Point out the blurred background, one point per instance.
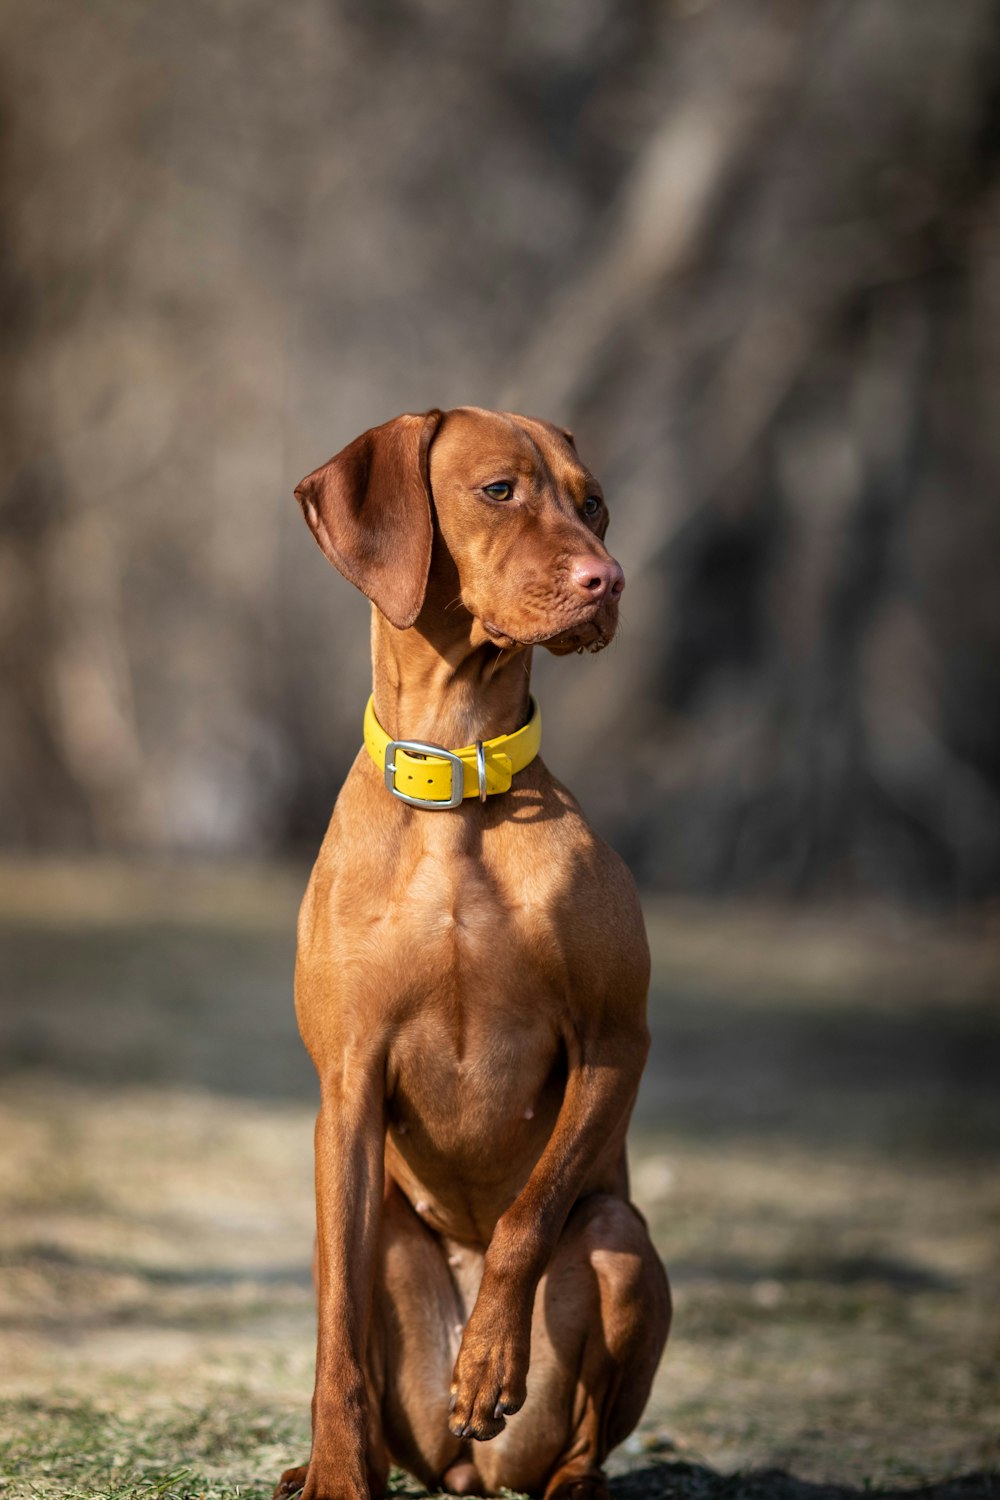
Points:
(749, 251)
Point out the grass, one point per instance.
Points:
(814, 1150)
(77, 1451)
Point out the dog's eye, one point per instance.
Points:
(498, 491)
(591, 505)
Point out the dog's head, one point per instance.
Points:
(495, 510)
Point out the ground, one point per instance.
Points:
(815, 1148)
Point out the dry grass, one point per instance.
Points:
(814, 1151)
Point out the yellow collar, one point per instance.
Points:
(431, 777)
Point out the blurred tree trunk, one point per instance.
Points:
(749, 252)
(811, 273)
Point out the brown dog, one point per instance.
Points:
(471, 986)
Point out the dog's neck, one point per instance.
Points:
(447, 686)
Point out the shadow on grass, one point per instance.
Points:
(686, 1481)
(212, 1008)
(43, 1253)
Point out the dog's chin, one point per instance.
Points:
(589, 638)
(586, 636)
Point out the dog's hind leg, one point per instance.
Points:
(416, 1331)
(600, 1321)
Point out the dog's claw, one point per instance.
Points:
(489, 1382)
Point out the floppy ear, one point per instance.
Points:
(370, 510)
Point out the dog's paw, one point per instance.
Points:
(300, 1482)
(488, 1385)
(585, 1486)
(291, 1483)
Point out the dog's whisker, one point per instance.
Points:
(496, 663)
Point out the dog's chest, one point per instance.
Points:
(483, 989)
(461, 928)
(474, 1085)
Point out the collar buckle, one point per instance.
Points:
(422, 747)
(481, 769)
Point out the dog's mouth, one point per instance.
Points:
(588, 636)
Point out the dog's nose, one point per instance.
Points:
(597, 577)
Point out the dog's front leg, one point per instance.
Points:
(350, 1140)
(492, 1366)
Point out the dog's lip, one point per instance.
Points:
(500, 637)
(589, 628)
(581, 635)
(590, 637)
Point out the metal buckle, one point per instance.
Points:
(420, 747)
(481, 769)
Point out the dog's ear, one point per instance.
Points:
(370, 510)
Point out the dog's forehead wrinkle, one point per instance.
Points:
(567, 477)
(486, 457)
(534, 441)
